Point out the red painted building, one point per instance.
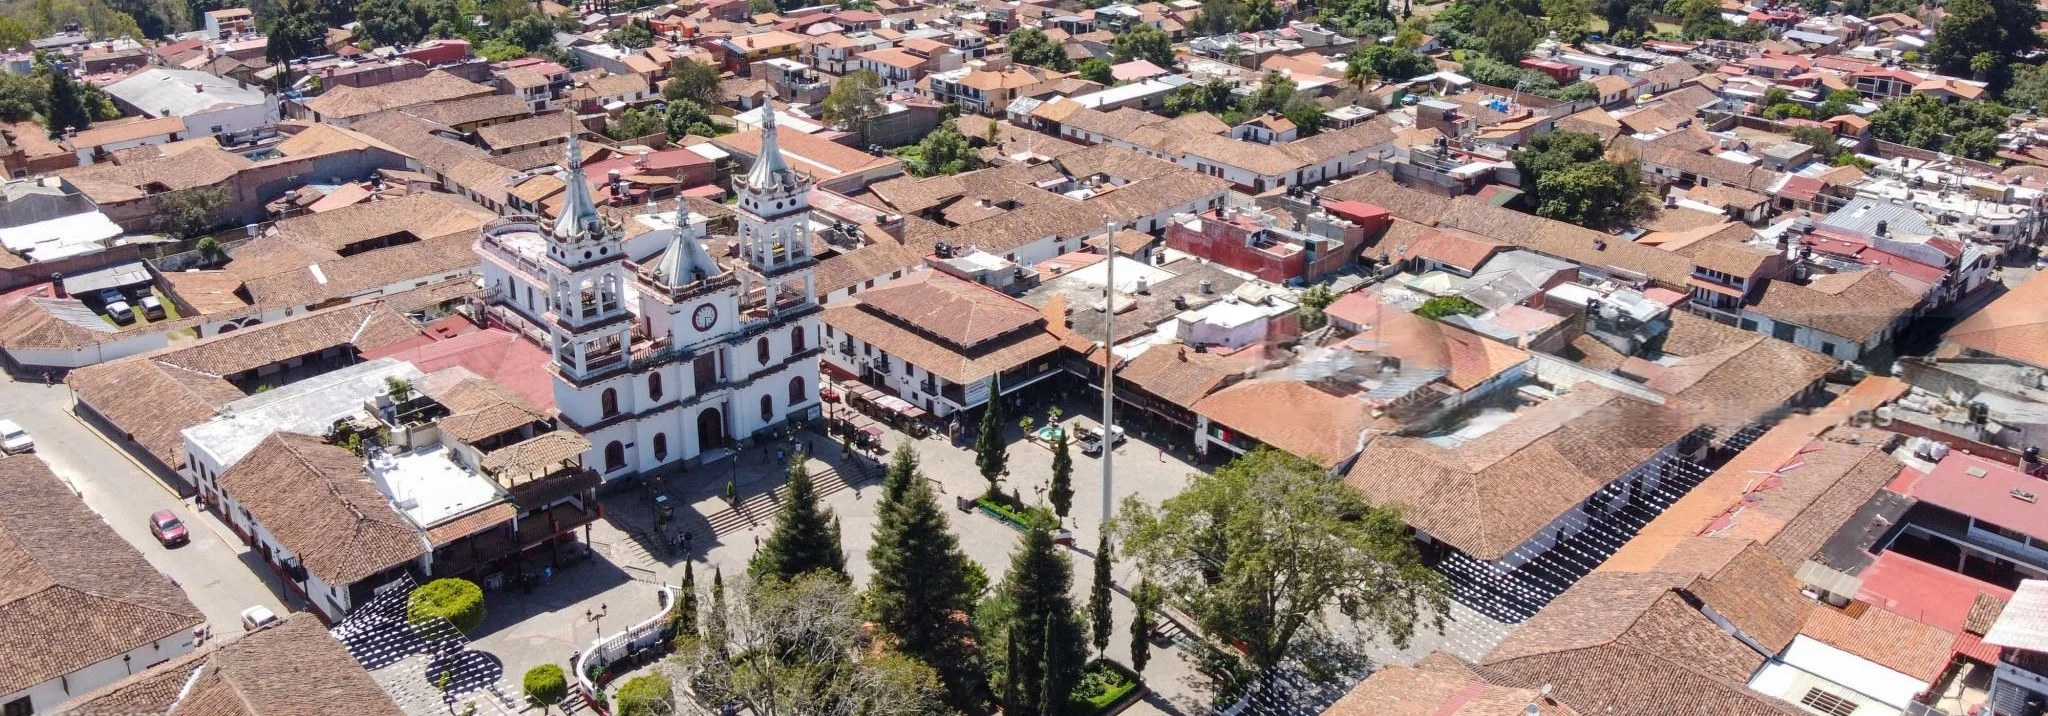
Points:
(1249, 242)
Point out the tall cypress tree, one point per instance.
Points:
(806, 536)
(1098, 596)
(902, 470)
(1144, 599)
(714, 622)
(991, 454)
(1048, 662)
(684, 622)
(920, 586)
(67, 105)
(1062, 491)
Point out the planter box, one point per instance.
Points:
(1117, 702)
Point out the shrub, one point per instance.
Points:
(1443, 307)
(459, 601)
(546, 685)
(1106, 682)
(1017, 515)
(646, 695)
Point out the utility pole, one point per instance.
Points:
(1108, 370)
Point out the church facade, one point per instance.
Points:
(680, 359)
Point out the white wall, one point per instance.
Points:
(47, 696)
(140, 342)
(232, 119)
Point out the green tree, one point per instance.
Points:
(1394, 63)
(14, 33)
(1030, 46)
(297, 31)
(1313, 301)
(1921, 121)
(1443, 307)
(1274, 94)
(187, 213)
(1357, 72)
(1143, 42)
(694, 81)
(804, 539)
(459, 601)
(1095, 69)
(636, 123)
(532, 31)
(687, 117)
(1508, 34)
(1061, 491)
(1212, 96)
(498, 50)
(991, 452)
(67, 109)
(1981, 36)
(1261, 550)
(1822, 141)
(545, 686)
(921, 585)
(1307, 116)
(716, 636)
(682, 623)
(856, 100)
(1099, 605)
(1593, 194)
(798, 649)
(646, 695)
(1036, 625)
(393, 22)
(635, 35)
(1144, 601)
(943, 151)
(22, 96)
(1554, 151)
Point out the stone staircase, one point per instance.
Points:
(760, 509)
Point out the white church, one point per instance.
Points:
(676, 358)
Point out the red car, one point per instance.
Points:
(167, 529)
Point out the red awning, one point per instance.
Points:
(874, 430)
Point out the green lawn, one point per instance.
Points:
(170, 312)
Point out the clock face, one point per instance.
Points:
(705, 317)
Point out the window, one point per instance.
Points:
(660, 446)
(654, 386)
(1828, 703)
(609, 402)
(767, 408)
(614, 456)
(1827, 347)
(761, 350)
(797, 394)
(796, 340)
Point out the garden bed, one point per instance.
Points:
(1107, 688)
(1016, 516)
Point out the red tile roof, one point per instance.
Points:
(1985, 489)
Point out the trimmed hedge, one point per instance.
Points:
(546, 685)
(1104, 684)
(1021, 518)
(645, 695)
(459, 601)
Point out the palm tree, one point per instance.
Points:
(1358, 73)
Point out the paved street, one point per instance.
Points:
(217, 572)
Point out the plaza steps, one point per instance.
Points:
(760, 509)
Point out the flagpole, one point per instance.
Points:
(1108, 373)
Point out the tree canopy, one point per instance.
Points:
(805, 538)
(393, 22)
(1097, 70)
(856, 99)
(1030, 46)
(1262, 549)
(695, 81)
(1967, 129)
(459, 601)
(1032, 620)
(1981, 37)
(797, 649)
(1144, 42)
(921, 583)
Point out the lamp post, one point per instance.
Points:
(1108, 370)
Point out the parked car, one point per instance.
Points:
(1091, 439)
(168, 529)
(117, 306)
(152, 307)
(257, 617)
(13, 439)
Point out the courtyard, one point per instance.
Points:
(633, 551)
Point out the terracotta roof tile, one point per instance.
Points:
(1855, 305)
(1293, 417)
(1497, 491)
(1440, 685)
(317, 501)
(76, 593)
(290, 669)
(1896, 642)
(2014, 326)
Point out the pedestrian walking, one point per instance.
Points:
(1162, 454)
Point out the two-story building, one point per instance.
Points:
(940, 342)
